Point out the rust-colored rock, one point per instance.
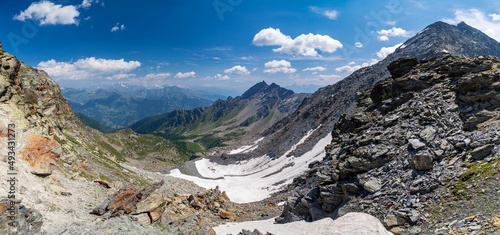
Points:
(154, 201)
(41, 153)
(227, 215)
(115, 199)
(104, 183)
(122, 197)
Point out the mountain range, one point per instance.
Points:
(412, 140)
(226, 121)
(120, 106)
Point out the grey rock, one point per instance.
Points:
(372, 185)
(428, 134)
(416, 144)
(481, 152)
(394, 219)
(422, 161)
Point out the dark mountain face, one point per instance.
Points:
(119, 107)
(228, 120)
(325, 106)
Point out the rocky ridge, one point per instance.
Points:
(413, 142)
(325, 106)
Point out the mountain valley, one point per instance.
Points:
(409, 145)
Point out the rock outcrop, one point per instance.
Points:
(407, 137)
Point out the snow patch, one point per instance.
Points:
(256, 179)
(246, 148)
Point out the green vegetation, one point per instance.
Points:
(72, 140)
(93, 123)
(112, 150)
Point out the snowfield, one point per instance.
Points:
(351, 223)
(258, 178)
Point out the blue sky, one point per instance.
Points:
(230, 44)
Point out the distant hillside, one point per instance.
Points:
(120, 106)
(226, 121)
(93, 123)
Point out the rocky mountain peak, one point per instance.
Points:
(412, 137)
(323, 108)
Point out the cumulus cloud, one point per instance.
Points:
(158, 75)
(185, 75)
(316, 69)
(305, 44)
(385, 51)
(222, 77)
(358, 45)
(330, 14)
(279, 66)
(86, 68)
(238, 69)
(352, 66)
(478, 19)
(118, 27)
(394, 32)
(48, 13)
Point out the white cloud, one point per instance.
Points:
(385, 51)
(222, 77)
(348, 68)
(86, 68)
(242, 70)
(391, 23)
(319, 68)
(478, 20)
(494, 17)
(352, 66)
(279, 66)
(48, 13)
(158, 75)
(305, 44)
(118, 27)
(358, 45)
(185, 75)
(87, 3)
(330, 14)
(120, 76)
(383, 38)
(394, 32)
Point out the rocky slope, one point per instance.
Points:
(226, 121)
(419, 152)
(325, 106)
(55, 170)
(121, 106)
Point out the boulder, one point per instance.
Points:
(227, 215)
(481, 152)
(41, 153)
